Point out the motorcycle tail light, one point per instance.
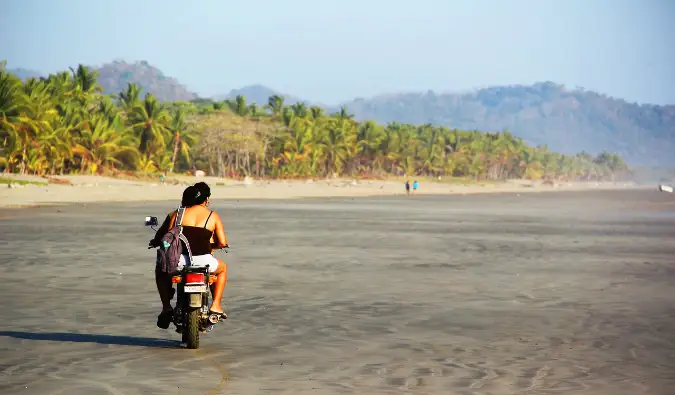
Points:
(176, 279)
(194, 278)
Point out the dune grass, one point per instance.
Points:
(8, 180)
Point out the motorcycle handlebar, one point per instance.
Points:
(224, 248)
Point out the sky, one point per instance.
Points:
(333, 51)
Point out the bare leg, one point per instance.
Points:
(164, 286)
(219, 286)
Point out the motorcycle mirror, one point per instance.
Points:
(151, 221)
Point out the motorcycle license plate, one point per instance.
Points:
(194, 288)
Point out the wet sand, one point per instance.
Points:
(556, 293)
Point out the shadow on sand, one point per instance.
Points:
(91, 338)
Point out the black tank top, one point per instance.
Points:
(199, 238)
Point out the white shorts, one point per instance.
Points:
(200, 261)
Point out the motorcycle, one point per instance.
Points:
(191, 313)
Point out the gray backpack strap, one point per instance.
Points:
(179, 217)
(187, 246)
(179, 222)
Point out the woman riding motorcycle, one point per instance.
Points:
(200, 227)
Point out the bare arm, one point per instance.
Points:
(220, 240)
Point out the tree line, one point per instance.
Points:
(64, 124)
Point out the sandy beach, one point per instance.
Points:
(493, 293)
(90, 189)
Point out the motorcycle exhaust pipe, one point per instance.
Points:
(213, 318)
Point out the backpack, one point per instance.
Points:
(171, 246)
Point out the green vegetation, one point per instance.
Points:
(64, 124)
(567, 120)
(9, 180)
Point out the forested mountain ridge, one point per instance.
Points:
(64, 123)
(544, 113)
(566, 120)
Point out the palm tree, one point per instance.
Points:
(12, 102)
(333, 143)
(101, 144)
(238, 105)
(181, 142)
(276, 105)
(86, 83)
(316, 112)
(295, 147)
(300, 110)
(150, 120)
(432, 148)
(62, 123)
(130, 97)
(369, 138)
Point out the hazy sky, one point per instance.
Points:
(333, 51)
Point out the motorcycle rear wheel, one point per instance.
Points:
(191, 329)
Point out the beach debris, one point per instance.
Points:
(665, 188)
(200, 173)
(61, 181)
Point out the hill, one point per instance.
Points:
(24, 74)
(260, 94)
(567, 121)
(73, 130)
(115, 76)
(547, 113)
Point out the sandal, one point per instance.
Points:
(164, 319)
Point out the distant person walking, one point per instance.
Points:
(415, 185)
(407, 187)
